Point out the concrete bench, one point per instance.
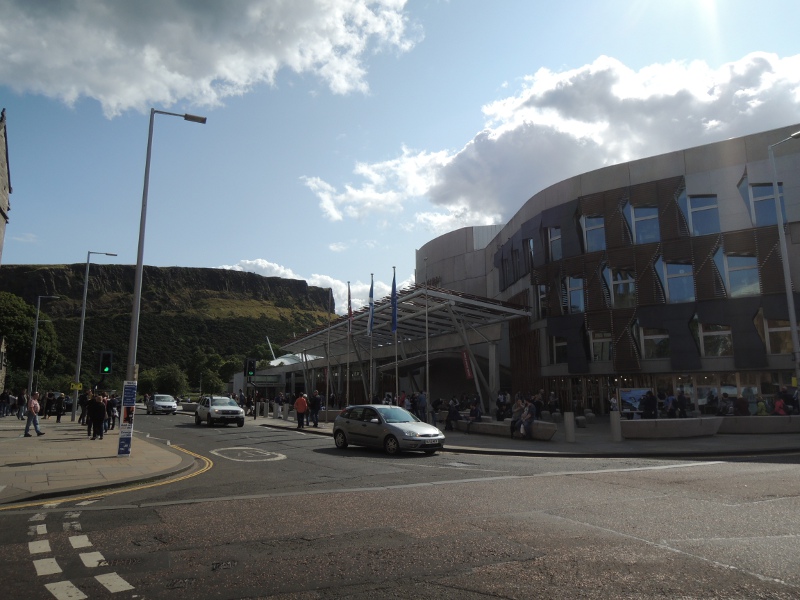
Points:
(670, 428)
(541, 429)
(765, 424)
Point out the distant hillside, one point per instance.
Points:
(182, 309)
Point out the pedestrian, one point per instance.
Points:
(300, 408)
(112, 411)
(97, 415)
(22, 403)
(422, 407)
(59, 407)
(4, 398)
(313, 407)
(33, 415)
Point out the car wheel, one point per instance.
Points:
(209, 421)
(340, 439)
(391, 445)
(240, 423)
(197, 420)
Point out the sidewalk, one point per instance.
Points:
(65, 461)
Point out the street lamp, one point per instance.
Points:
(35, 334)
(80, 334)
(787, 276)
(137, 286)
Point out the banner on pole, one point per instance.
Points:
(467, 365)
(127, 411)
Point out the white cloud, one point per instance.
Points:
(130, 55)
(337, 247)
(359, 290)
(560, 124)
(26, 238)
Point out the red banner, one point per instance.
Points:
(467, 365)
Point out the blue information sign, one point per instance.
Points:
(126, 418)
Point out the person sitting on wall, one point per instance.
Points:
(452, 414)
(780, 407)
(475, 414)
(683, 404)
(527, 418)
(649, 405)
(761, 408)
(516, 414)
(741, 408)
(503, 408)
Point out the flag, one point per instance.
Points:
(394, 303)
(349, 310)
(371, 306)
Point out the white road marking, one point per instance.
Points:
(72, 515)
(79, 541)
(86, 503)
(71, 526)
(39, 547)
(64, 590)
(248, 454)
(51, 504)
(91, 559)
(37, 529)
(46, 566)
(114, 583)
(38, 517)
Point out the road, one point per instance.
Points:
(277, 513)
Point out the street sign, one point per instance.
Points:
(76, 386)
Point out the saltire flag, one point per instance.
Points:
(349, 310)
(394, 303)
(371, 306)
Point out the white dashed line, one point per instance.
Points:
(71, 526)
(72, 515)
(46, 566)
(64, 590)
(38, 517)
(39, 547)
(80, 541)
(114, 583)
(91, 559)
(51, 505)
(86, 503)
(37, 529)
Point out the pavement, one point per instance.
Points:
(65, 462)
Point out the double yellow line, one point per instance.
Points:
(207, 464)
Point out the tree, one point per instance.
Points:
(17, 319)
(171, 380)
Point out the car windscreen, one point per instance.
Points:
(164, 399)
(395, 414)
(223, 402)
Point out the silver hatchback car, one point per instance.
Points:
(389, 427)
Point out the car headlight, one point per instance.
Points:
(409, 433)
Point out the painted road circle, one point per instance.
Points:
(248, 454)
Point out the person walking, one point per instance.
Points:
(33, 416)
(314, 405)
(59, 407)
(96, 416)
(422, 407)
(83, 400)
(22, 403)
(300, 408)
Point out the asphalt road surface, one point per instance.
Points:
(283, 514)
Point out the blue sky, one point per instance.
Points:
(344, 134)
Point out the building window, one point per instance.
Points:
(701, 212)
(541, 301)
(572, 295)
(741, 276)
(763, 204)
(715, 340)
(558, 350)
(655, 343)
(642, 223)
(601, 345)
(554, 239)
(594, 233)
(622, 284)
(677, 280)
(779, 336)
(528, 249)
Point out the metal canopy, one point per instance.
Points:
(447, 311)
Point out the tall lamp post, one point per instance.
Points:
(35, 334)
(80, 334)
(787, 276)
(137, 285)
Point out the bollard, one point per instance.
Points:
(616, 427)
(569, 426)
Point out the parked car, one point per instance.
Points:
(218, 409)
(389, 427)
(161, 403)
(52, 411)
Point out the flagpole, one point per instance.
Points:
(328, 358)
(394, 330)
(427, 349)
(349, 323)
(369, 326)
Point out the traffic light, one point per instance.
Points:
(105, 362)
(250, 367)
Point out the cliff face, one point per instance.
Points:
(182, 309)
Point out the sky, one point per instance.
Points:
(343, 135)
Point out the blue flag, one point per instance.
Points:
(371, 306)
(394, 304)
